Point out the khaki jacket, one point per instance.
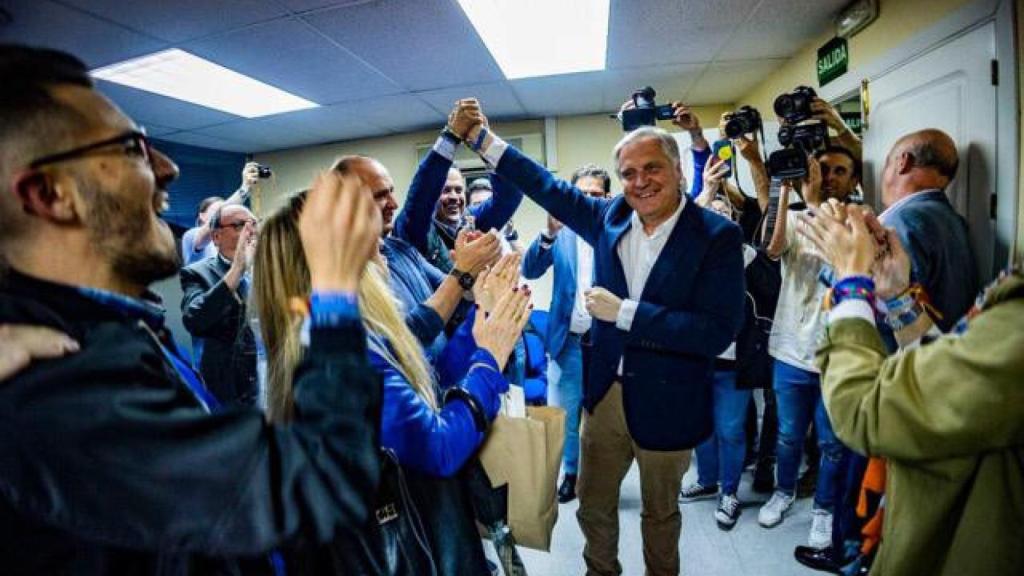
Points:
(949, 418)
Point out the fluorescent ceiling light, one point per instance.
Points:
(542, 37)
(178, 74)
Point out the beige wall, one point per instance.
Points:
(1019, 248)
(579, 140)
(897, 21)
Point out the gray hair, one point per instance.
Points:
(668, 145)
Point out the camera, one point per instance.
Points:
(263, 171)
(799, 141)
(795, 106)
(646, 113)
(746, 120)
(809, 137)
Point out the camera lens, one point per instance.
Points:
(734, 127)
(785, 105)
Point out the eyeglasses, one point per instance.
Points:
(237, 225)
(133, 143)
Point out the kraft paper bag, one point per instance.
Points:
(526, 453)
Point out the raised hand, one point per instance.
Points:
(824, 111)
(250, 175)
(474, 251)
(714, 172)
(340, 227)
(892, 263)
(495, 281)
(684, 118)
(466, 115)
(20, 345)
(810, 188)
(841, 237)
(749, 147)
(498, 331)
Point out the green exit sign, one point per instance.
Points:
(833, 59)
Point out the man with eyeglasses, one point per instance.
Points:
(111, 461)
(213, 307)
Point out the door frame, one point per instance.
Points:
(958, 23)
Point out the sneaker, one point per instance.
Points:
(772, 512)
(697, 491)
(821, 529)
(728, 511)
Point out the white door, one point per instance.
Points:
(949, 88)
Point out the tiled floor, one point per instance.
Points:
(704, 550)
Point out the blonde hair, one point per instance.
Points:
(281, 277)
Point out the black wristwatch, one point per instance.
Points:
(450, 136)
(466, 280)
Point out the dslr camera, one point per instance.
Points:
(746, 120)
(646, 113)
(263, 171)
(799, 141)
(796, 106)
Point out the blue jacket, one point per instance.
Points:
(415, 223)
(439, 442)
(413, 281)
(562, 255)
(690, 311)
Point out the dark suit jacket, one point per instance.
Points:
(212, 311)
(689, 312)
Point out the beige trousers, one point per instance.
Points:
(606, 453)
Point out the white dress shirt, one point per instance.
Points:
(580, 320)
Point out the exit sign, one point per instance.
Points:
(833, 59)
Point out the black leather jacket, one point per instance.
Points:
(108, 464)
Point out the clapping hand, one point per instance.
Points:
(495, 281)
(498, 331)
(602, 304)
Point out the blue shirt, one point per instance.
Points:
(189, 255)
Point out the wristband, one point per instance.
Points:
(851, 288)
(449, 135)
(905, 309)
(479, 417)
(479, 142)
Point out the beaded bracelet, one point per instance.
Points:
(851, 288)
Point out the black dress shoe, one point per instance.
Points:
(567, 491)
(816, 558)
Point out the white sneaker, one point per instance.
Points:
(821, 529)
(772, 512)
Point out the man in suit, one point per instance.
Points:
(214, 307)
(568, 319)
(667, 299)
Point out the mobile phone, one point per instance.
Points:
(722, 149)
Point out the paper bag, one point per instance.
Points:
(526, 453)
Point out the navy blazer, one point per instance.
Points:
(690, 310)
(562, 255)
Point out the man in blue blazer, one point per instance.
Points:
(667, 299)
(568, 319)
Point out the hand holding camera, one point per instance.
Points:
(684, 118)
(715, 171)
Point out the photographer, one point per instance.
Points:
(196, 242)
(796, 329)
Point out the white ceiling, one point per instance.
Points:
(388, 66)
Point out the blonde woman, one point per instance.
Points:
(432, 435)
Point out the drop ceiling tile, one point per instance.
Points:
(148, 108)
(93, 40)
(290, 55)
(398, 113)
(669, 82)
(294, 129)
(726, 82)
(420, 45)
(205, 141)
(182, 20)
(498, 99)
(555, 95)
(307, 5)
(652, 33)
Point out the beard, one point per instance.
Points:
(139, 248)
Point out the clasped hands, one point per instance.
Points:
(855, 243)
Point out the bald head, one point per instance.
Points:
(923, 160)
(228, 222)
(376, 177)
